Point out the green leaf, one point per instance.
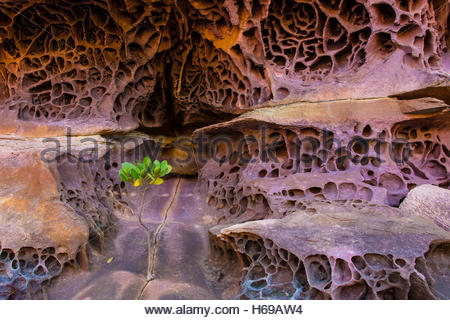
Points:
(127, 167)
(163, 165)
(147, 163)
(139, 165)
(165, 168)
(124, 177)
(157, 171)
(135, 173)
(156, 168)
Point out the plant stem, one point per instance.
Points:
(141, 208)
(149, 241)
(152, 258)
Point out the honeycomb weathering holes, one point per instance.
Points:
(271, 272)
(131, 63)
(74, 66)
(24, 271)
(368, 169)
(134, 63)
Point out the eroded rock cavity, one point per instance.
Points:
(336, 254)
(116, 65)
(168, 67)
(274, 161)
(318, 184)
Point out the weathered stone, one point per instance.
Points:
(272, 160)
(309, 71)
(102, 67)
(310, 50)
(84, 72)
(429, 201)
(112, 285)
(422, 106)
(178, 149)
(181, 249)
(341, 252)
(167, 290)
(39, 233)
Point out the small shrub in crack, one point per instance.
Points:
(142, 175)
(145, 173)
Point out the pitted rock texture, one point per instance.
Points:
(429, 201)
(39, 233)
(60, 198)
(84, 68)
(338, 253)
(89, 191)
(291, 50)
(75, 63)
(274, 160)
(24, 272)
(106, 66)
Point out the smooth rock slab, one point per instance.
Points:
(429, 201)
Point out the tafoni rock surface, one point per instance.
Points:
(309, 140)
(341, 252)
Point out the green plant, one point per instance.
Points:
(144, 174)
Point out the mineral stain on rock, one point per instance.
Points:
(309, 139)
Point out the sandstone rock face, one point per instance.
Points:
(135, 145)
(309, 121)
(275, 160)
(72, 67)
(59, 198)
(320, 180)
(340, 252)
(39, 233)
(109, 66)
(429, 201)
(182, 247)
